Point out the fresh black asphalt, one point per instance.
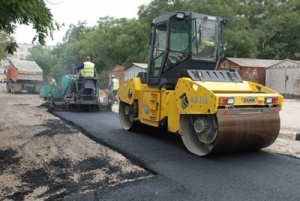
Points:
(180, 175)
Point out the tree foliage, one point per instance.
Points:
(5, 40)
(257, 28)
(266, 29)
(27, 12)
(43, 57)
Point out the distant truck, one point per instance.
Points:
(23, 75)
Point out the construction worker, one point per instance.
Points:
(88, 68)
(206, 48)
(114, 86)
(52, 82)
(88, 71)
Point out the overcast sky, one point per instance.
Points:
(72, 11)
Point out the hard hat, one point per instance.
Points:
(112, 75)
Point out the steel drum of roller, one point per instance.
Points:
(234, 131)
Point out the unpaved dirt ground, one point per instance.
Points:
(43, 158)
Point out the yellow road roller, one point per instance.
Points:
(214, 111)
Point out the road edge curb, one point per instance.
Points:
(290, 135)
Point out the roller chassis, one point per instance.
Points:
(213, 111)
(206, 127)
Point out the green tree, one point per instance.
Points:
(76, 32)
(115, 42)
(67, 54)
(256, 29)
(5, 39)
(43, 57)
(280, 38)
(156, 8)
(27, 12)
(64, 61)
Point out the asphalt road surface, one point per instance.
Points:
(183, 176)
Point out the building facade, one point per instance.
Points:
(132, 70)
(284, 77)
(249, 69)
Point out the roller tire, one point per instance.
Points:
(127, 116)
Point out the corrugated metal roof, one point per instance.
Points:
(142, 65)
(246, 62)
(296, 61)
(26, 65)
(285, 62)
(117, 68)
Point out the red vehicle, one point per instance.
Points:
(23, 75)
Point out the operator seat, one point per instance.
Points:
(89, 84)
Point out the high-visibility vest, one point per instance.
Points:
(205, 43)
(52, 82)
(88, 69)
(116, 84)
